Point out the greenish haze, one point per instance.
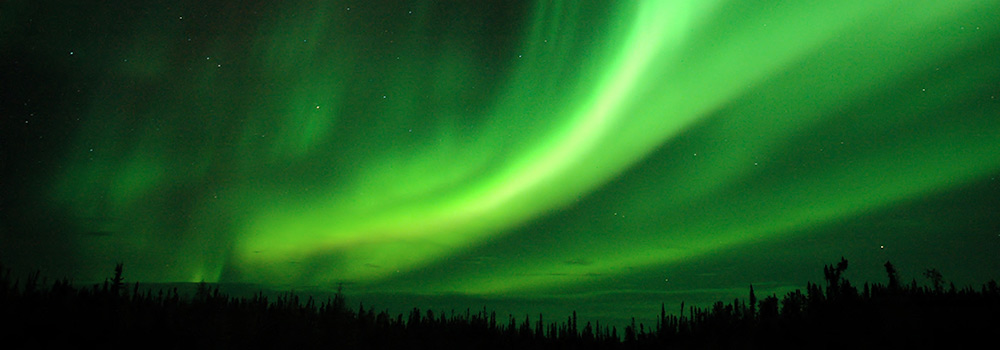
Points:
(505, 149)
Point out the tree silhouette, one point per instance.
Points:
(833, 277)
(937, 280)
(117, 281)
(893, 277)
(906, 317)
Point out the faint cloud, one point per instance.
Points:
(580, 262)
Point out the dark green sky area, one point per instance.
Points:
(543, 155)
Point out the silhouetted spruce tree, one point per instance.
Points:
(769, 310)
(661, 323)
(339, 302)
(793, 306)
(117, 281)
(525, 330)
(833, 277)
(991, 288)
(413, 321)
(630, 336)
(202, 292)
(540, 327)
(572, 327)
(893, 277)
(937, 280)
(588, 333)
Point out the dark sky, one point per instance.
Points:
(536, 156)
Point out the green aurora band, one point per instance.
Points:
(340, 141)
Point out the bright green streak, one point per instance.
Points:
(336, 156)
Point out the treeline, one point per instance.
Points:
(838, 315)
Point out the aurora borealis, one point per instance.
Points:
(488, 148)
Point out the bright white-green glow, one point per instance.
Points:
(363, 146)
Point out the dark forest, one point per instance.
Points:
(839, 315)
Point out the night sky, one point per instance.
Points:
(621, 153)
